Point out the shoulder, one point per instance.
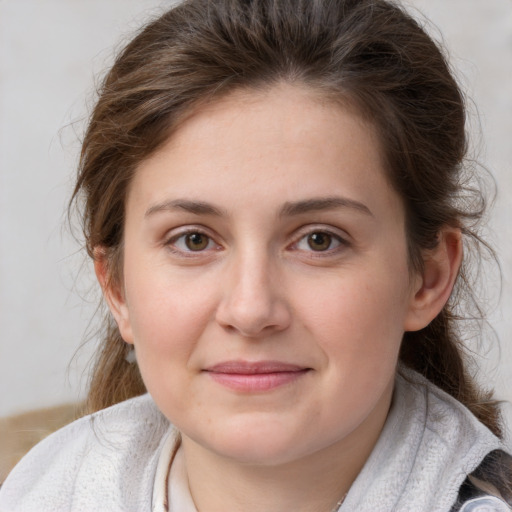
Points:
(477, 459)
(445, 419)
(489, 487)
(106, 459)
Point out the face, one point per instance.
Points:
(265, 282)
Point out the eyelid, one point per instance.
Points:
(341, 236)
(176, 233)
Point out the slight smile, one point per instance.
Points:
(255, 376)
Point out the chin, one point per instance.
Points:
(263, 453)
(259, 443)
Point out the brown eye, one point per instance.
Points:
(196, 241)
(319, 241)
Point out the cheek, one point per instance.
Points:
(168, 315)
(356, 323)
(358, 316)
(168, 320)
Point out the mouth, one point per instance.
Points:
(254, 377)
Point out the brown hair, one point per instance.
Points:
(370, 53)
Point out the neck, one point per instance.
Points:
(220, 485)
(317, 482)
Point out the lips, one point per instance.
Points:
(257, 376)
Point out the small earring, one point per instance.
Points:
(130, 356)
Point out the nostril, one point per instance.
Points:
(252, 321)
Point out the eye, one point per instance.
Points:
(319, 241)
(192, 241)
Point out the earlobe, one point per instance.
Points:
(113, 293)
(435, 284)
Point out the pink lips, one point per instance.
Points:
(255, 377)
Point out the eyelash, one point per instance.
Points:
(172, 242)
(341, 243)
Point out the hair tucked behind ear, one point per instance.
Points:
(368, 53)
(116, 378)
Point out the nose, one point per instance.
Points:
(253, 302)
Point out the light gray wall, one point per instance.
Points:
(50, 51)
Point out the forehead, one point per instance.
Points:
(282, 143)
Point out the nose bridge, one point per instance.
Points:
(252, 281)
(252, 302)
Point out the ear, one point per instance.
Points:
(434, 285)
(113, 293)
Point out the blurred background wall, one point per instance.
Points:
(50, 52)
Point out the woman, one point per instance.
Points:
(273, 203)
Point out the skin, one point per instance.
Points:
(266, 232)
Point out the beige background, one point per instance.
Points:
(50, 51)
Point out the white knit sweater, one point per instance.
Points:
(108, 461)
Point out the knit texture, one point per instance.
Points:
(428, 446)
(104, 462)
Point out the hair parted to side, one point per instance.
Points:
(370, 54)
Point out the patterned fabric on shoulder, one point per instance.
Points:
(489, 487)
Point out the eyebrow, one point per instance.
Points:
(196, 207)
(289, 209)
(323, 203)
